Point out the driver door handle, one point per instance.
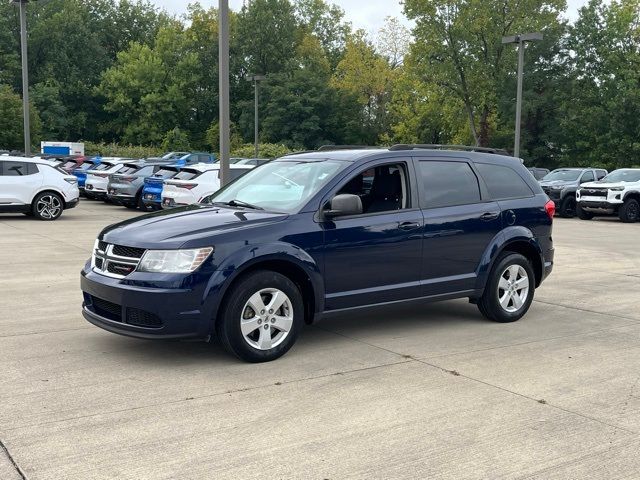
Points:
(409, 225)
(488, 216)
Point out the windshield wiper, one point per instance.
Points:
(239, 203)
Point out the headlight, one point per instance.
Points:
(557, 188)
(173, 261)
(617, 189)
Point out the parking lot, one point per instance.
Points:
(426, 391)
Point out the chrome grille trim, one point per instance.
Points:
(109, 258)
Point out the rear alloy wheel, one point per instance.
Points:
(509, 290)
(262, 317)
(47, 206)
(630, 211)
(568, 207)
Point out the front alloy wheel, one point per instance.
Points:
(267, 319)
(261, 316)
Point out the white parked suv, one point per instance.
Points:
(616, 194)
(36, 187)
(95, 187)
(194, 183)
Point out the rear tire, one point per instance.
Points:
(582, 215)
(509, 290)
(249, 329)
(568, 207)
(47, 206)
(629, 211)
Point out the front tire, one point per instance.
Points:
(582, 215)
(629, 211)
(568, 207)
(261, 318)
(47, 206)
(509, 290)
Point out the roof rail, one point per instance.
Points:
(328, 148)
(403, 146)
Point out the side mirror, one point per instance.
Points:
(343, 205)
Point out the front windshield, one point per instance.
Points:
(281, 186)
(623, 176)
(563, 175)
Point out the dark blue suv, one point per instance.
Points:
(320, 232)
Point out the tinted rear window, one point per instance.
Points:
(503, 182)
(187, 175)
(103, 166)
(69, 164)
(448, 183)
(127, 169)
(165, 173)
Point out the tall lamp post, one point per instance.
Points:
(22, 4)
(255, 79)
(223, 65)
(520, 40)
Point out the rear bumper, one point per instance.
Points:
(71, 203)
(166, 313)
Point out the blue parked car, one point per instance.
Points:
(152, 190)
(81, 171)
(312, 234)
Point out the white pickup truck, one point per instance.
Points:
(616, 194)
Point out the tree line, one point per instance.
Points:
(123, 72)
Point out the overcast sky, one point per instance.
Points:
(367, 14)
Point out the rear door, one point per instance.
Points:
(460, 222)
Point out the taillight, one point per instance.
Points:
(127, 179)
(188, 186)
(550, 208)
(101, 175)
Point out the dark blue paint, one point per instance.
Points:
(349, 262)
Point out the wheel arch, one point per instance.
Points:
(517, 240)
(48, 190)
(302, 271)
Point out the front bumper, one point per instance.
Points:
(143, 312)
(599, 206)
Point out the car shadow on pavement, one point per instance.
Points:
(387, 321)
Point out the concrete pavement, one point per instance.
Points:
(432, 391)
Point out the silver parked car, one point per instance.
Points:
(125, 186)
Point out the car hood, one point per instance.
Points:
(194, 224)
(556, 183)
(605, 184)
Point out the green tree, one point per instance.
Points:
(601, 111)
(150, 90)
(11, 125)
(176, 139)
(326, 23)
(458, 48)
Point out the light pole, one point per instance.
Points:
(255, 79)
(22, 4)
(223, 65)
(520, 40)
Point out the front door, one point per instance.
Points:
(374, 257)
(18, 182)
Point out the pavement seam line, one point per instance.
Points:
(488, 384)
(588, 311)
(217, 394)
(12, 460)
(537, 400)
(45, 332)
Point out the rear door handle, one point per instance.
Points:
(488, 216)
(409, 225)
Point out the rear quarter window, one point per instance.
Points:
(446, 184)
(503, 182)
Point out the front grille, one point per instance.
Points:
(116, 260)
(106, 309)
(131, 252)
(594, 192)
(141, 318)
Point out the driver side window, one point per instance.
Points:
(587, 177)
(383, 188)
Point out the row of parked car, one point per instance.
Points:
(176, 178)
(591, 192)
